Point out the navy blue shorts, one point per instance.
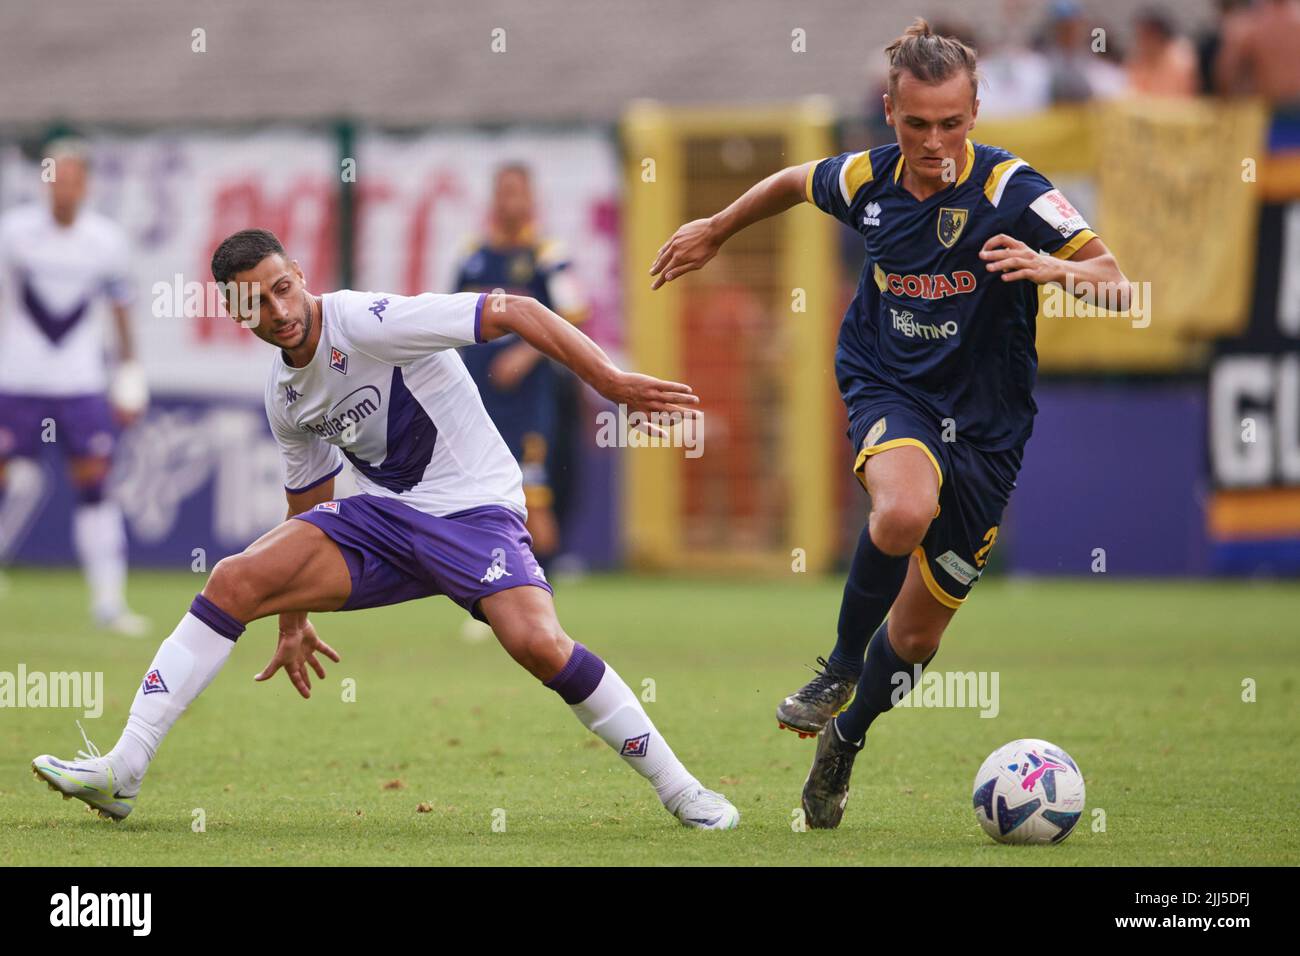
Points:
(395, 553)
(974, 487)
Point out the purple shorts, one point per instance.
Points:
(396, 553)
(81, 425)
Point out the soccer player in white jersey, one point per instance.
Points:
(374, 380)
(62, 267)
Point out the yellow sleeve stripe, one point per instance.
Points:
(854, 174)
(1081, 239)
(879, 275)
(996, 184)
(807, 186)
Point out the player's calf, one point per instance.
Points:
(525, 623)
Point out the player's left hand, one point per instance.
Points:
(297, 648)
(649, 395)
(690, 247)
(1015, 260)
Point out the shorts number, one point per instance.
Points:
(982, 554)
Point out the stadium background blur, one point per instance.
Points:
(1173, 445)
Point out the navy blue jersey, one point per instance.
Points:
(525, 415)
(929, 322)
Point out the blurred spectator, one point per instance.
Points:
(1260, 53)
(1162, 63)
(1077, 71)
(529, 398)
(1017, 79)
(1211, 42)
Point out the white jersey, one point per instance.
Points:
(387, 391)
(55, 282)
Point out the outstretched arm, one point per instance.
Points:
(554, 336)
(697, 242)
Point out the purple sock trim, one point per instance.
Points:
(579, 677)
(215, 618)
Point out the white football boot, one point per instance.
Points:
(703, 809)
(90, 779)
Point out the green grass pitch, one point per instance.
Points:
(1141, 682)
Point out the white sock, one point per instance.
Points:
(100, 540)
(614, 714)
(185, 664)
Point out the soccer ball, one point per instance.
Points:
(1028, 791)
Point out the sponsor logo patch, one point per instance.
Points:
(1056, 211)
(871, 214)
(635, 746)
(955, 566)
(905, 322)
(154, 684)
(330, 506)
(874, 435)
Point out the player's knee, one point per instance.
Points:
(899, 525)
(233, 587)
(539, 644)
(915, 644)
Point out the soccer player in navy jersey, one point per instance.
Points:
(373, 380)
(935, 363)
(523, 392)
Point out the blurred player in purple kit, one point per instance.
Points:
(60, 265)
(374, 380)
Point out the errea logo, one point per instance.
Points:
(872, 214)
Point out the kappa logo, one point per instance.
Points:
(495, 573)
(871, 215)
(154, 684)
(331, 506)
(635, 746)
(339, 360)
(377, 308)
(291, 395)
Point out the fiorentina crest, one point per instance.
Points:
(635, 746)
(153, 683)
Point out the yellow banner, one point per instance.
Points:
(1169, 186)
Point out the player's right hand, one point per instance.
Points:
(690, 247)
(296, 649)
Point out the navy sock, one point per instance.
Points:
(876, 687)
(875, 578)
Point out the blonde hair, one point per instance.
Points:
(929, 57)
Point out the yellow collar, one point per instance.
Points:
(965, 173)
